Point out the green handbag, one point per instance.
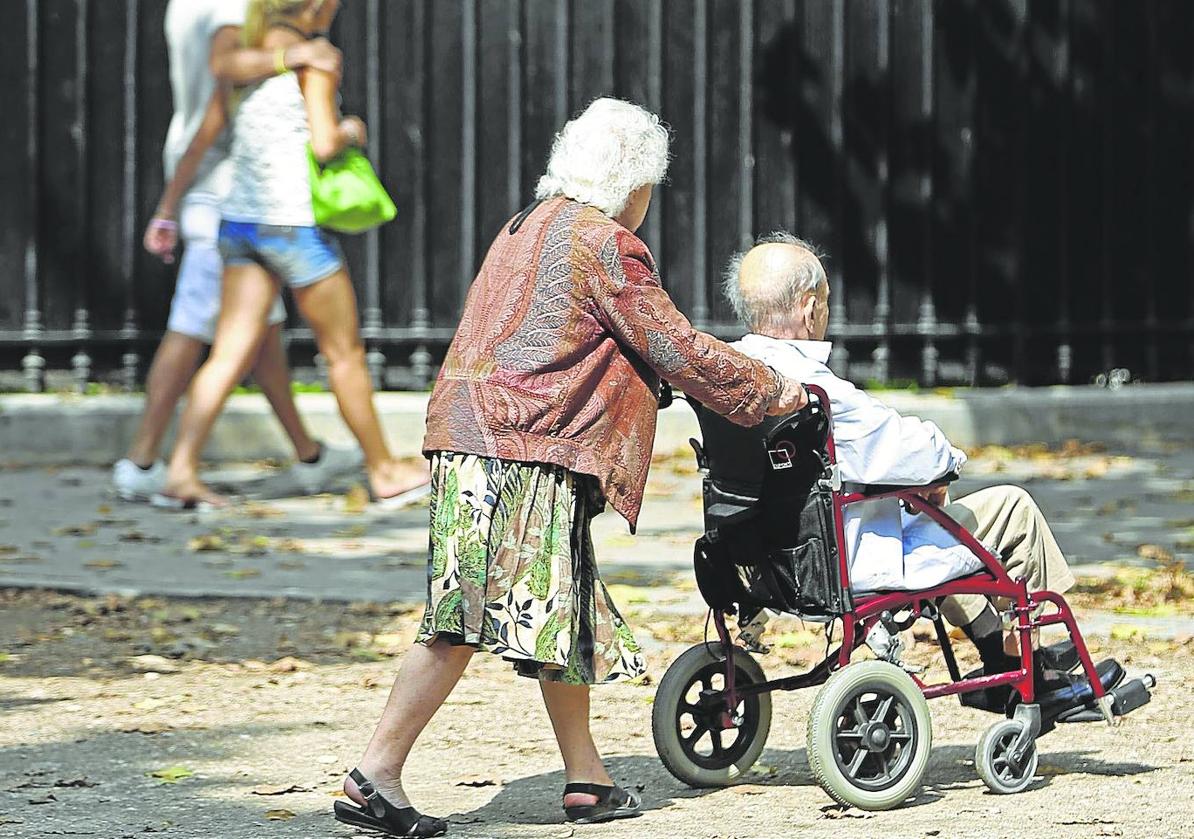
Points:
(346, 194)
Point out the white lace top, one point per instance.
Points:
(270, 174)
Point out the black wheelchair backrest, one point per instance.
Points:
(742, 460)
(768, 513)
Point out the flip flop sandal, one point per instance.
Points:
(384, 817)
(403, 499)
(178, 504)
(612, 803)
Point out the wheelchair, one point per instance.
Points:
(774, 539)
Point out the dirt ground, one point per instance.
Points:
(233, 719)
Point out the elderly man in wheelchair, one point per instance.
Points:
(841, 514)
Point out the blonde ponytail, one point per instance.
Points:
(262, 14)
(254, 32)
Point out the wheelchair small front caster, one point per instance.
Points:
(994, 759)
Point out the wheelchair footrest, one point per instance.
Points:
(1125, 698)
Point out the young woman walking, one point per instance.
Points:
(268, 237)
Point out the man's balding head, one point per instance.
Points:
(775, 288)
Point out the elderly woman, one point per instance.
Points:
(544, 409)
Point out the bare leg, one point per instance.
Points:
(248, 293)
(568, 707)
(272, 374)
(426, 678)
(173, 366)
(331, 308)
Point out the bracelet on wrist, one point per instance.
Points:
(779, 381)
(280, 61)
(162, 223)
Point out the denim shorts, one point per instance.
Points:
(196, 304)
(298, 256)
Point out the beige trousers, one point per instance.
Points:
(1006, 519)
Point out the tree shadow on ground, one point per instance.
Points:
(100, 782)
(523, 800)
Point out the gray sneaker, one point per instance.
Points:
(334, 462)
(132, 483)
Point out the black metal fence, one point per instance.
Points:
(1004, 187)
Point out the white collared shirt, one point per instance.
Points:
(888, 548)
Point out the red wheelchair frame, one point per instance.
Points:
(1005, 756)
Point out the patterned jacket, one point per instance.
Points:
(565, 333)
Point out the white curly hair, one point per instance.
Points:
(602, 156)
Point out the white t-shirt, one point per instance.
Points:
(270, 171)
(888, 548)
(190, 26)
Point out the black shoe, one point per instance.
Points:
(988, 699)
(1074, 690)
(381, 815)
(1062, 656)
(612, 803)
(1049, 679)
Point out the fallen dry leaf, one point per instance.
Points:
(267, 789)
(154, 664)
(102, 564)
(1154, 552)
(146, 728)
(243, 573)
(74, 530)
(356, 499)
(250, 545)
(288, 664)
(206, 542)
(279, 815)
(172, 774)
(82, 781)
(477, 782)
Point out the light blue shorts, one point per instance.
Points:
(298, 256)
(196, 304)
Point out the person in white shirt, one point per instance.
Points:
(203, 39)
(779, 290)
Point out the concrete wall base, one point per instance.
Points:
(57, 429)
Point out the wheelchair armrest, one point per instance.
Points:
(869, 490)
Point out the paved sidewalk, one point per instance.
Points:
(59, 529)
(237, 717)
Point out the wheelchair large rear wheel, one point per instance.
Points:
(689, 734)
(869, 736)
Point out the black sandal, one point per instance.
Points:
(381, 815)
(612, 803)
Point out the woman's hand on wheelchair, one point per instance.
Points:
(792, 397)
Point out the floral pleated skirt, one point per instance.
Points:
(511, 570)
